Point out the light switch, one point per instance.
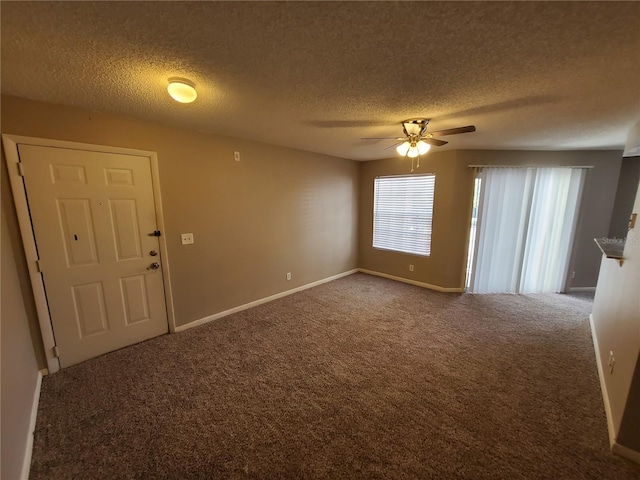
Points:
(187, 238)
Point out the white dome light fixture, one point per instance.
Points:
(182, 90)
(412, 148)
(413, 152)
(403, 148)
(423, 147)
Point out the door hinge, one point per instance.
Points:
(39, 266)
(56, 351)
(20, 169)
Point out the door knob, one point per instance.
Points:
(153, 266)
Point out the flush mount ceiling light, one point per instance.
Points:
(182, 90)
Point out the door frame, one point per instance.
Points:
(10, 143)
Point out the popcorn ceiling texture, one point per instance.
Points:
(321, 75)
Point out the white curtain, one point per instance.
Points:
(525, 229)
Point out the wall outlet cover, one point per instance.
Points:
(187, 238)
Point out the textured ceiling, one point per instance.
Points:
(321, 75)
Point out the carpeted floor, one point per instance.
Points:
(362, 377)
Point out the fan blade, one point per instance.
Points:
(454, 131)
(382, 138)
(434, 141)
(394, 145)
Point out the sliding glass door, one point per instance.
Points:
(525, 226)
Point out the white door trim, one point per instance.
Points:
(10, 143)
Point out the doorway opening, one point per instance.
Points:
(90, 188)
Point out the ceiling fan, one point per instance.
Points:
(417, 141)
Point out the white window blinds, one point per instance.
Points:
(403, 212)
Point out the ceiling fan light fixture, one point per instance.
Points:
(417, 141)
(412, 128)
(403, 148)
(413, 152)
(182, 90)
(423, 147)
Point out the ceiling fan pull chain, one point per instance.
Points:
(412, 165)
(418, 162)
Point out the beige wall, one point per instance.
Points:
(452, 209)
(629, 434)
(13, 234)
(451, 213)
(19, 364)
(616, 320)
(625, 195)
(278, 210)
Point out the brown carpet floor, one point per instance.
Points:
(362, 377)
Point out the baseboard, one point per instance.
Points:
(255, 303)
(26, 464)
(603, 385)
(626, 452)
(581, 289)
(412, 282)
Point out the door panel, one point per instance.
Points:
(68, 174)
(125, 229)
(118, 176)
(92, 213)
(134, 296)
(91, 315)
(77, 231)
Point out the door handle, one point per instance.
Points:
(153, 266)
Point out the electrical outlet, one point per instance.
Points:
(289, 276)
(187, 238)
(411, 268)
(236, 156)
(573, 274)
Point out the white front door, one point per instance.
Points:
(94, 219)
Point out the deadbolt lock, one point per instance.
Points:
(153, 253)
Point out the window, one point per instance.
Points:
(403, 212)
(526, 223)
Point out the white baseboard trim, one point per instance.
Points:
(626, 452)
(581, 289)
(603, 385)
(412, 282)
(26, 463)
(255, 303)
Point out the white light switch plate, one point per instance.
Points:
(187, 238)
